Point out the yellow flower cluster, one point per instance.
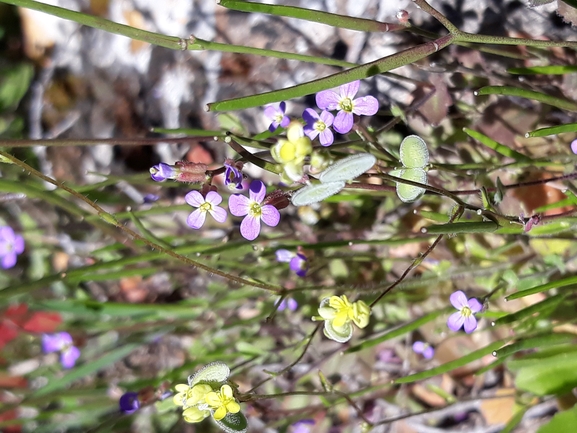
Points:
(291, 153)
(339, 314)
(201, 400)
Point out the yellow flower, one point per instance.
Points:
(188, 396)
(338, 313)
(194, 414)
(222, 402)
(291, 153)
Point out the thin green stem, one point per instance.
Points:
(426, 7)
(109, 218)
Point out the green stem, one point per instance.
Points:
(111, 219)
(380, 66)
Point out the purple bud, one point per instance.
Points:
(129, 403)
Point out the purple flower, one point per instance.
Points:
(424, 349)
(466, 314)
(574, 146)
(302, 426)
(319, 125)
(162, 171)
(347, 106)
(129, 403)
(232, 176)
(61, 342)
(150, 198)
(289, 303)
(11, 245)
(209, 204)
(254, 210)
(298, 262)
(276, 114)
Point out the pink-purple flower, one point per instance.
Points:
(11, 245)
(289, 303)
(574, 147)
(162, 171)
(297, 261)
(347, 106)
(276, 114)
(232, 175)
(254, 209)
(465, 317)
(302, 426)
(319, 126)
(424, 349)
(129, 403)
(61, 342)
(208, 204)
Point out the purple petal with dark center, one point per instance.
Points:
(69, 356)
(327, 100)
(219, 214)
(270, 215)
(129, 403)
(349, 90)
(365, 106)
(455, 321)
(250, 227)
(238, 204)
(458, 300)
(343, 122)
(194, 198)
(196, 219)
(470, 324)
(257, 191)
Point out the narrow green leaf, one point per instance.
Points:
(544, 287)
(379, 66)
(513, 422)
(497, 147)
(552, 130)
(461, 227)
(544, 306)
(452, 365)
(532, 343)
(335, 20)
(544, 98)
(56, 383)
(401, 330)
(548, 70)
(189, 132)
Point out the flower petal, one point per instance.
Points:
(51, 343)
(366, 106)
(310, 132)
(455, 321)
(470, 324)
(9, 260)
(284, 256)
(327, 138)
(343, 122)
(271, 111)
(218, 213)
(257, 191)
(429, 352)
(238, 204)
(327, 117)
(327, 100)
(349, 90)
(214, 198)
(220, 413)
(196, 219)
(270, 215)
(18, 246)
(194, 198)
(285, 121)
(69, 356)
(419, 347)
(250, 227)
(475, 305)
(310, 116)
(458, 300)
